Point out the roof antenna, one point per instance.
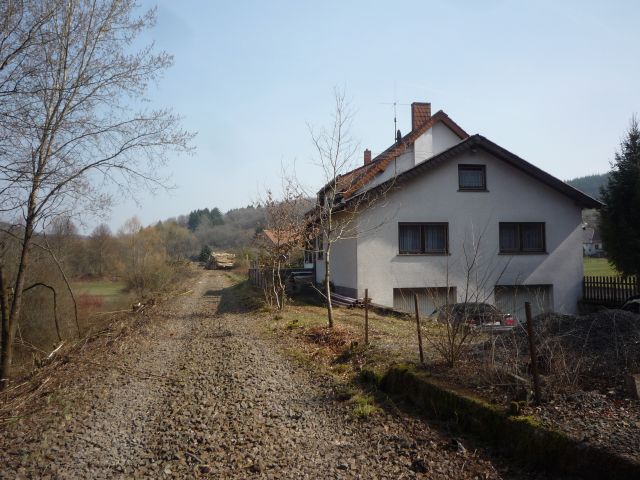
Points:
(395, 112)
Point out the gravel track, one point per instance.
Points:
(206, 394)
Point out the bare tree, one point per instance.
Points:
(101, 249)
(73, 121)
(21, 25)
(282, 238)
(479, 278)
(336, 150)
(342, 199)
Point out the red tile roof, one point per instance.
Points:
(281, 238)
(350, 182)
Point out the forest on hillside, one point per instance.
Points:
(590, 184)
(232, 230)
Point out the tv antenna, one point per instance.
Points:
(395, 104)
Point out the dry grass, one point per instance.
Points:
(392, 333)
(341, 351)
(40, 384)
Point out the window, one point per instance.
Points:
(309, 251)
(308, 256)
(522, 238)
(423, 238)
(472, 177)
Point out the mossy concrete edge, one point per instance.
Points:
(521, 437)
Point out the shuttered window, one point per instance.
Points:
(526, 237)
(423, 238)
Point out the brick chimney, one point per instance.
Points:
(420, 113)
(367, 156)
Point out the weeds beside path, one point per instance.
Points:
(199, 390)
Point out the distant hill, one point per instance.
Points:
(233, 230)
(590, 184)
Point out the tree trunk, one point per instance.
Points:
(10, 318)
(5, 359)
(7, 354)
(4, 326)
(327, 286)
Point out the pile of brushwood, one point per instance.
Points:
(587, 352)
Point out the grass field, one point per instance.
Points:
(598, 267)
(111, 293)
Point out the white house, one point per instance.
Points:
(591, 242)
(460, 219)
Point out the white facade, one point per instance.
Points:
(474, 266)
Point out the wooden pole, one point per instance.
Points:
(415, 299)
(366, 316)
(532, 354)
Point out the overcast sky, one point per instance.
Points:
(554, 82)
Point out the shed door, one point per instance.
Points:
(428, 299)
(511, 298)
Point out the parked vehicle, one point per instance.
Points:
(632, 304)
(482, 315)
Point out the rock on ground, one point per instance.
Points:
(206, 395)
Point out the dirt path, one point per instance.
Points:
(205, 394)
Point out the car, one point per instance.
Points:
(477, 314)
(632, 304)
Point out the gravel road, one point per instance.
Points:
(207, 394)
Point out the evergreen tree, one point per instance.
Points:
(194, 220)
(196, 217)
(215, 216)
(205, 253)
(620, 217)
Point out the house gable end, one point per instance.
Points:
(479, 142)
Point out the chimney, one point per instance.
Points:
(420, 114)
(367, 156)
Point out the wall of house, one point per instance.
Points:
(430, 143)
(400, 164)
(345, 267)
(435, 140)
(443, 138)
(473, 219)
(423, 146)
(344, 263)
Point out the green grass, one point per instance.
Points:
(235, 277)
(363, 406)
(599, 267)
(111, 292)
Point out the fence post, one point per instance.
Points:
(366, 316)
(415, 299)
(532, 354)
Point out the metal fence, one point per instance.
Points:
(609, 291)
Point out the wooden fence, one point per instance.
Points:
(609, 291)
(260, 277)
